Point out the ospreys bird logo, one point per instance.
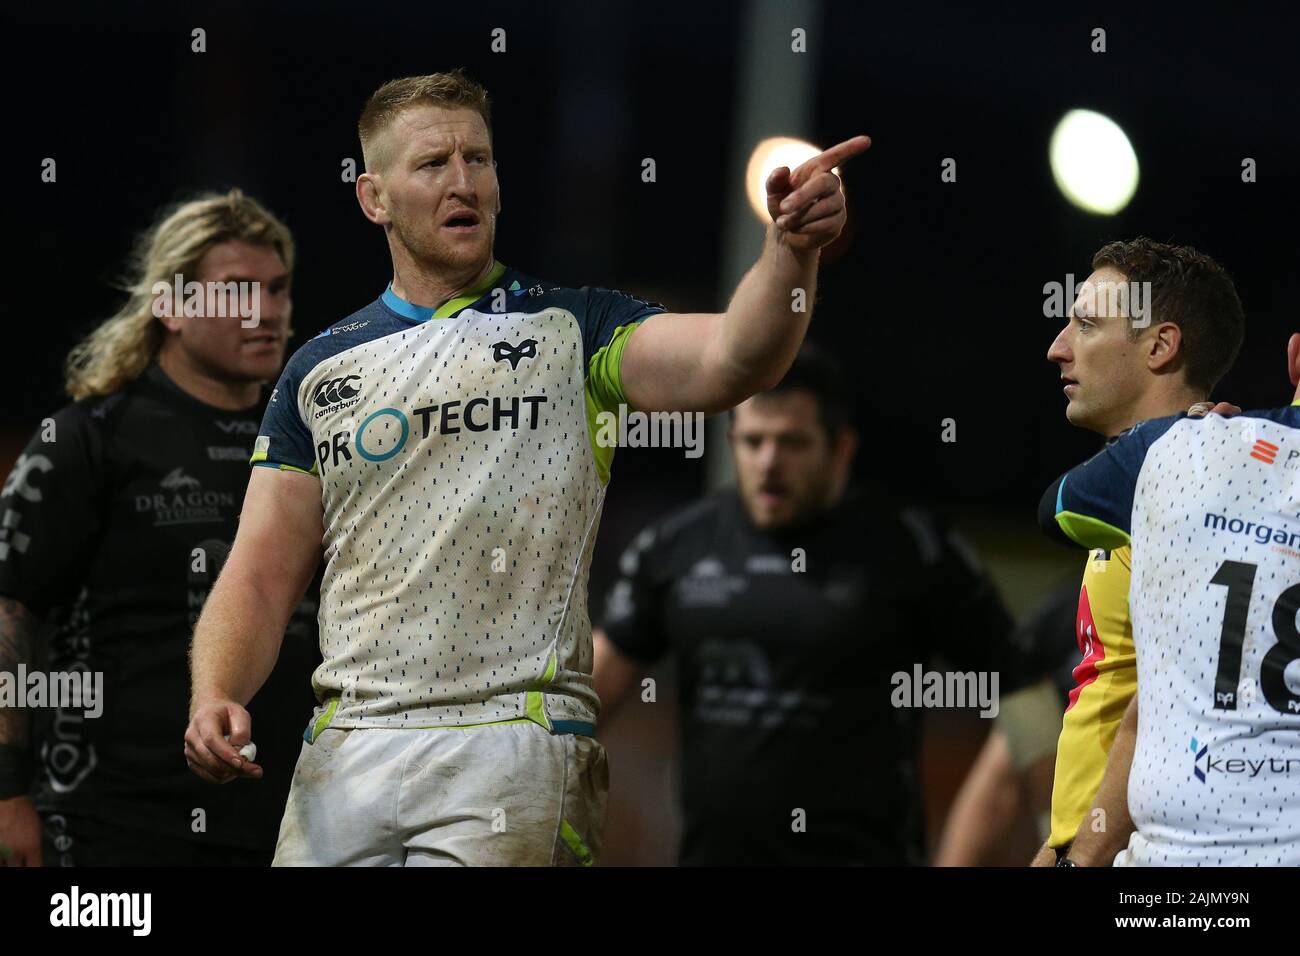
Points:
(505, 352)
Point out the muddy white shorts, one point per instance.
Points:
(509, 794)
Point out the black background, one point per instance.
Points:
(935, 301)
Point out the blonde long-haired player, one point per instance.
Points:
(215, 238)
(116, 519)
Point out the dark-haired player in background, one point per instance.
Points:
(116, 520)
(1121, 366)
(1203, 768)
(788, 604)
(1127, 353)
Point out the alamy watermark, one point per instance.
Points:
(67, 690)
(1131, 300)
(633, 429)
(946, 689)
(133, 911)
(221, 300)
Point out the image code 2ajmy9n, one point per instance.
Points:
(649, 435)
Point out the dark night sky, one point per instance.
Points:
(936, 302)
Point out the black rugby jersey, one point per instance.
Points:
(114, 532)
(787, 679)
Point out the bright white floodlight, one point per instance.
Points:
(767, 156)
(1093, 162)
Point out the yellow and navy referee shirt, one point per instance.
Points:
(1105, 680)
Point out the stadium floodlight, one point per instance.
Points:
(768, 155)
(1093, 162)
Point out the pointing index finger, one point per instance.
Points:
(830, 158)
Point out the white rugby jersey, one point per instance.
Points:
(462, 486)
(1213, 510)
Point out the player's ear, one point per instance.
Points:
(167, 311)
(1165, 345)
(370, 199)
(1293, 357)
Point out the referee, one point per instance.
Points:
(788, 605)
(116, 520)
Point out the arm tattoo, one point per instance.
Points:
(17, 628)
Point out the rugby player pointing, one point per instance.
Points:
(438, 446)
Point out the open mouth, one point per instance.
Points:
(462, 222)
(263, 341)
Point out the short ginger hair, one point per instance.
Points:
(452, 90)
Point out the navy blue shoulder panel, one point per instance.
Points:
(600, 312)
(1092, 504)
(284, 440)
(1289, 416)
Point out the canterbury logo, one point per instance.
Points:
(336, 390)
(514, 354)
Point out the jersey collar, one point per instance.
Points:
(422, 313)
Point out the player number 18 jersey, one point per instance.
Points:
(1213, 510)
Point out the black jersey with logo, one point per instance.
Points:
(116, 520)
(786, 645)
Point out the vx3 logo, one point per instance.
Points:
(514, 354)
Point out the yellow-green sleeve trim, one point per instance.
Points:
(605, 397)
(315, 473)
(576, 844)
(1091, 532)
(259, 458)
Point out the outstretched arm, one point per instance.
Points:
(708, 362)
